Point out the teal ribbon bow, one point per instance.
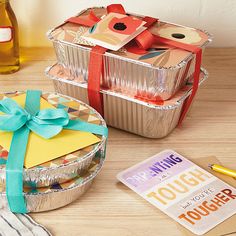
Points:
(46, 123)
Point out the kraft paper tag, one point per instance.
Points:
(40, 150)
(228, 226)
(184, 191)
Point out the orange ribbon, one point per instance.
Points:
(140, 45)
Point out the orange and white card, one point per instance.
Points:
(184, 191)
(114, 31)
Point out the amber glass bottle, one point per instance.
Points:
(9, 42)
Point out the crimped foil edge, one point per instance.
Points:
(84, 85)
(36, 200)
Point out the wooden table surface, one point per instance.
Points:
(109, 208)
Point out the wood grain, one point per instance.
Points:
(109, 208)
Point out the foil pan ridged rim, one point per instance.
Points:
(42, 176)
(160, 107)
(176, 67)
(45, 201)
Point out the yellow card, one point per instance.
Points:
(40, 150)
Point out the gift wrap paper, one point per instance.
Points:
(55, 162)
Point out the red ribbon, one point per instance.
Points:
(94, 77)
(89, 21)
(143, 41)
(117, 8)
(198, 52)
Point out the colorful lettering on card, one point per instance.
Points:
(187, 193)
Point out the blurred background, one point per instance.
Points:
(218, 17)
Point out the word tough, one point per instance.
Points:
(183, 184)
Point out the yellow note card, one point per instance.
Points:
(40, 150)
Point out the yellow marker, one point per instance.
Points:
(223, 170)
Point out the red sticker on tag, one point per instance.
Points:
(6, 34)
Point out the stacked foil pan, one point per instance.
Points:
(125, 72)
(58, 195)
(127, 113)
(60, 181)
(142, 94)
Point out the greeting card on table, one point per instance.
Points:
(187, 193)
(40, 150)
(114, 31)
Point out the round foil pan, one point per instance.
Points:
(58, 195)
(66, 167)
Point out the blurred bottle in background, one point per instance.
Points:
(9, 41)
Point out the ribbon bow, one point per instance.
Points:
(46, 123)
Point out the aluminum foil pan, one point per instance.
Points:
(68, 166)
(158, 74)
(58, 195)
(127, 113)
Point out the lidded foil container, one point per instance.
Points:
(66, 167)
(157, 74)
(127, 112)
